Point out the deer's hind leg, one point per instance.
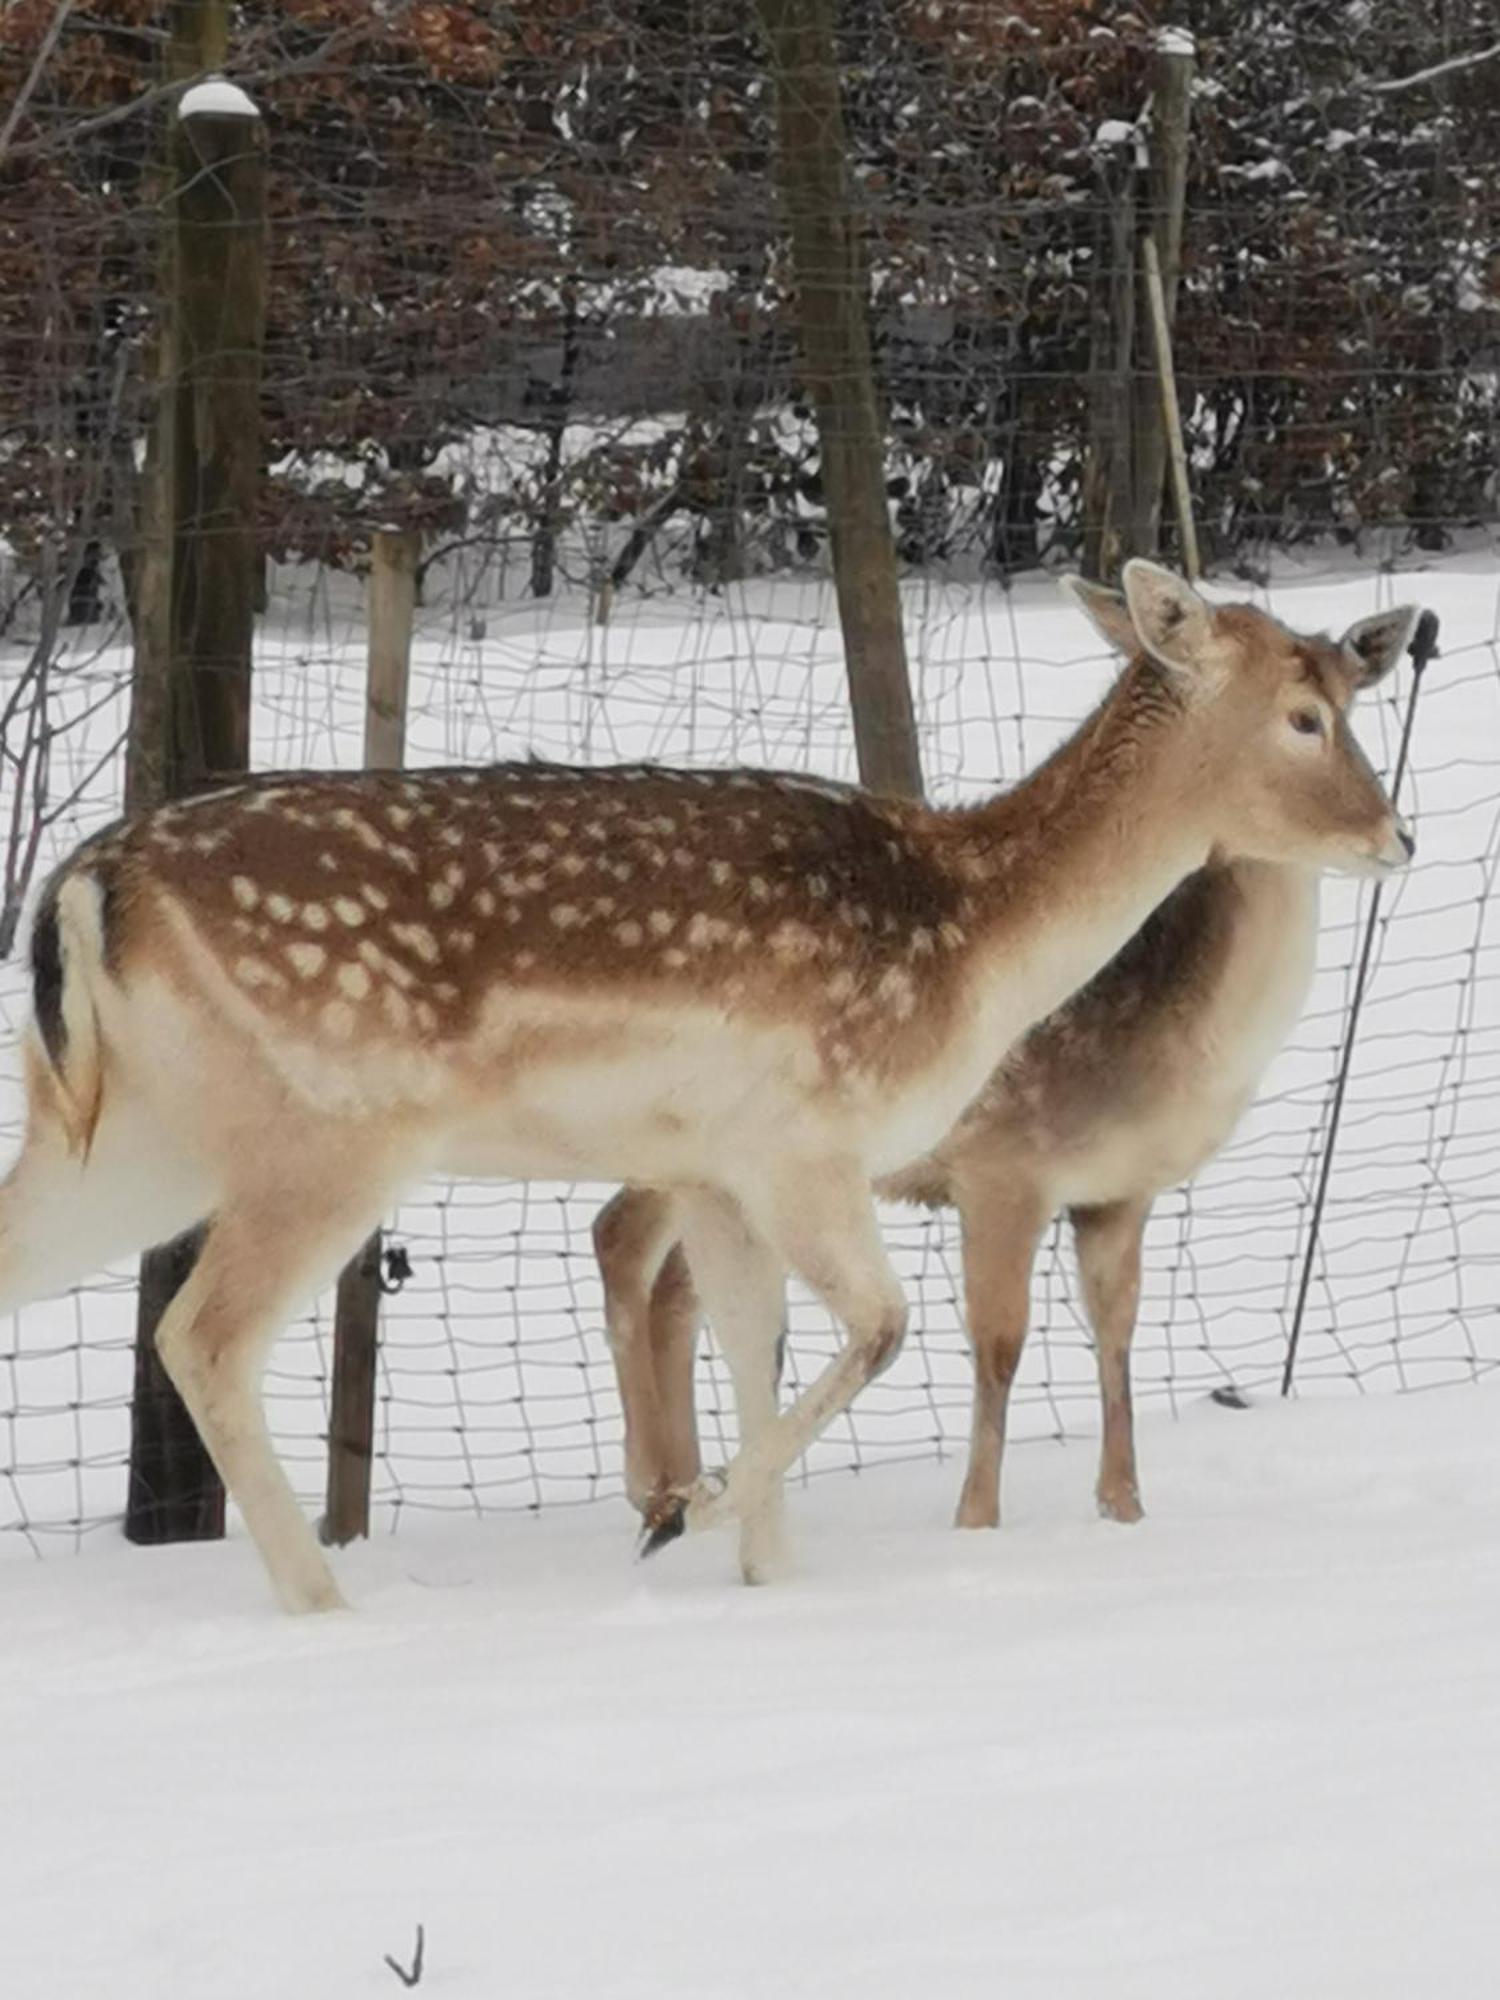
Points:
(268, 1249)
(1108, 1240)
(676, 1321)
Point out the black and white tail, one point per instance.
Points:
(67, 962)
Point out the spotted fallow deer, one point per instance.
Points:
(274, 1008)
(1127, 1090)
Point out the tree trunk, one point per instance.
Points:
(1172, 67)
(831, 286)
(196, 589)
(1107, 486)
(1024, 450)
(559, 405)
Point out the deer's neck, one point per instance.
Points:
(1073, 861)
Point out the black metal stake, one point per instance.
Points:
(1423, 646)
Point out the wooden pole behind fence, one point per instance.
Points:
(1106, 471)
(1171, 416)
(190, 707)
(828, 269)
(356, 1313)
(1164, 199)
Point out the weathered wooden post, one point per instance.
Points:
(829, 272)
(1173, 65)
(1171, 413)
(356, 1315)
(1107, 485)
(190, 709)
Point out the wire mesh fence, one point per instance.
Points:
(529, 294)
(496, 1389)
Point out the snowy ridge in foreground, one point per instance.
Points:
(1246, 1748)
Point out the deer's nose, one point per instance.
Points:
(1406, 837)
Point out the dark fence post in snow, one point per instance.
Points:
(190, 702)
(828, 269)
(356, 1312)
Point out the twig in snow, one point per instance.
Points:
(409, 1978)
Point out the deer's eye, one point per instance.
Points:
(1307, 722)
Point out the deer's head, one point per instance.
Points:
(1276, 773)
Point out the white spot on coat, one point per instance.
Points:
(306, 960)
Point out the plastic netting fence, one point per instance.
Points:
(495, 1386)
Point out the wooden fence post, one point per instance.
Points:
(190, 708)
(1106, 486)
(1171, 414)
(1173, 64)
(356, 1312)
(828, 268)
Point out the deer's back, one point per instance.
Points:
(596, 952)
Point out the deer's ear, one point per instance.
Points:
(1376, 644)
(1171, 620)
(1106, 610)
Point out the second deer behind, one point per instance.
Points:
(1125, 1091)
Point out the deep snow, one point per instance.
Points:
(1246, 1748)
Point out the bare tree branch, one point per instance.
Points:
(34, 75)
(84, 128)
(1421, 76)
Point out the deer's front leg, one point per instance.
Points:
(818, 1220)
(1002, 1216)
(1109, 1263)
(743, 1287)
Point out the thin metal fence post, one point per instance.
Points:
(1423, 647)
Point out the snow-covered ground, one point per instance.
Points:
(496, 1390)
(1245, 1749)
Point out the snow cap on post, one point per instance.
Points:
(216, 97)
(1176, 42)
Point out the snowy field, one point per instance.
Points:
(496, 1391)
(1246, 1749)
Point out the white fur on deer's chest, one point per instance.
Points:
(1143, 1155)
(1161, 1135)
(903, 1122)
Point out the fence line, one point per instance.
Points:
(531, 303)
(494, 1383)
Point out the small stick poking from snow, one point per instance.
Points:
(413, 1977)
